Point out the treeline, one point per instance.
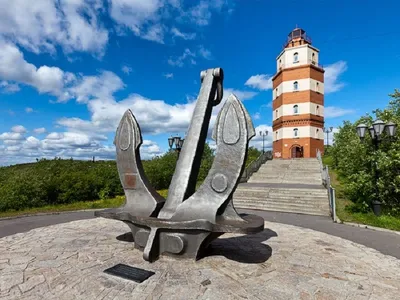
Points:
(355, 160)
(61, 181)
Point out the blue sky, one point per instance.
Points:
(70, 68)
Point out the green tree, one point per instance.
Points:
(354, 160)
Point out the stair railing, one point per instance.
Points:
(255, 165)
(326, 181)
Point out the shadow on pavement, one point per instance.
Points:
(244, 249)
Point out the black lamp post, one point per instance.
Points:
(375, 131)
(178, 141)
(263, 134)
(327, 131)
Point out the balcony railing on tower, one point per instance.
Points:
(297, 35)
(300, 63)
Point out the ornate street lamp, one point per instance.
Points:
(263, 134)
(327, 131)
(178, 141)
(375, 131)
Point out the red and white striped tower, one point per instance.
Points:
(298, 99)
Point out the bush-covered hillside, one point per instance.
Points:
(60, 181)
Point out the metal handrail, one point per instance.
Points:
(326, 181)
(255, 165)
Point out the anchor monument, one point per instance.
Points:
(185, 223)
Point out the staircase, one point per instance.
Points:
(293, 186)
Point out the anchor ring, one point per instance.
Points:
(218, 73)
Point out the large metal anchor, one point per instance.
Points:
(186, 222)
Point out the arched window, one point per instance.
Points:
(296, 57)
(280, 63)
(295, 86)
(276, 91)
(276, 135)
(317, 133)
(296, 109)
(276, 114)
(313, 58)
(295, 132)
(317, 111)
(317, 87)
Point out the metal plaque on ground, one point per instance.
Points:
(130, 273)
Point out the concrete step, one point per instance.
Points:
(281, 201)
(270, 169)
(299, 209)
(304, 175)
(280, 191)
(305, 203)
(260, 191)
(288, 181)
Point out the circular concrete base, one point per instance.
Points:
(67, 261)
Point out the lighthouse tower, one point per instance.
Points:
(298, 99)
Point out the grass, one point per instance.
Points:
(82, 205)
(346, 215)
(108, 203)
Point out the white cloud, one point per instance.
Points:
(332, 73)
(242, 95)
(29, 110)
(147, 18)
(201, 13)
(102, 86)
(205, 53)
(186, 36)
(8, 87)
(74, 25)
(180, 60)
(154, 116)
(39, 130)
(257, 116)
(13, 67)
(140, 16)
(188, 56)
(126, 69)
(169, 75)
(19, 129)
(13, 136)
(334, 112)
(31, 143)
(261, 82)
(65, 145)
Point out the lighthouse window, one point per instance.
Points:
(296, 57)
(276, 114)
(295, 132)
(317, 87)
(295, 86)
(296, 109)
(276, 135)
(317, 110)
(313, 58)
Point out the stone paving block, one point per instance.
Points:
(283, 262)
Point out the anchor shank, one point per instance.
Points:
(183, 182)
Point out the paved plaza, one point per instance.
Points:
(66, 261)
